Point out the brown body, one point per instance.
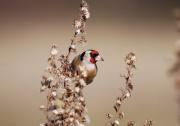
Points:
(79, 67)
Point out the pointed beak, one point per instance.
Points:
(99, 58)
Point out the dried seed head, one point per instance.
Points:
(60, 111)
(54, 94)
(128, 94)
(116, 122)
(70, 119)
(109, 116)
(116, 108)
(131, 123)
(77, 24)
(148, 123)
(46, 82)
(77, 89)
(121, 115)
(50, 79)
(54, 50)
(85, 12)
(72, 113)
(81, 99)
(118, 102)
(84, 3)
(87, 15)
(87, 119)
(82, 82)
(77, 31)
(84, 9)
(59, 123)
(73, 46)
(130, 59)
(68, 80)
(55, 112)
(58, 103)
(62, 77)
(43, 88)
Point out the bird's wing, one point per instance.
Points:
(75, 63)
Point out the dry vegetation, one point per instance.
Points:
(175, 69)
(66, 104)
(126, 92)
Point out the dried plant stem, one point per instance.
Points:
(114, 120)
(175, 69)
(65, 101)
(79, 26)
(126, 91)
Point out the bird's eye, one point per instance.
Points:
(96, 55)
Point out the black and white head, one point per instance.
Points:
(91, 56)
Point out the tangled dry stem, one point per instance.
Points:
(175, 69)
(126, 92)
(66, 104)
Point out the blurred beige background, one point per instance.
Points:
(146, 27)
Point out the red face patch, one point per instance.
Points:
(94, 52)
(92, 60)
(93, 55)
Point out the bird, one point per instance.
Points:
(85, 65)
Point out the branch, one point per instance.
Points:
(65, 100)
(114, 120)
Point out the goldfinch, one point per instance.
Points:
(85, 65)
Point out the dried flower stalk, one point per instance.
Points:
(175, 69)
(126, 91)
(66, 104)
(114, 120)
